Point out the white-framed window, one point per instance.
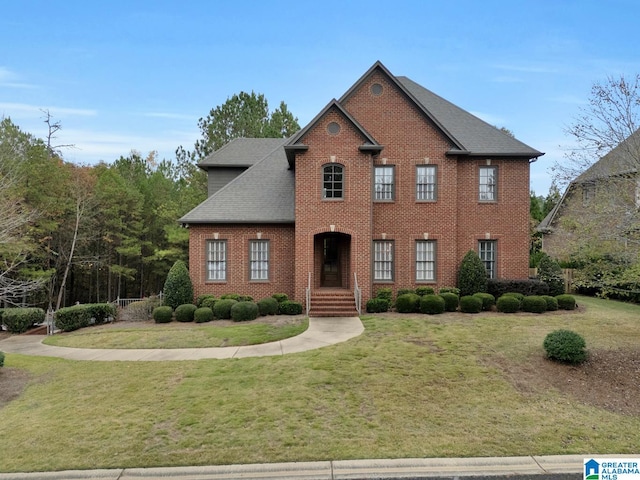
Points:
(217, 260)
(425, 260)
(259, 259)
(383, 185)
(332, 181)
(488, 184)
(382, 260)
(426, 183)
(487, 253)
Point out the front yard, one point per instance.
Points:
(410, 386)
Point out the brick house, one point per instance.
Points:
(389, 186)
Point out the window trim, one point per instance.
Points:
(324, 190)
(392, 168)
(391, 261)
(252, 262)
(435, 184)
(491, 265)
(222, 262)
(494, 198)
(434, 261)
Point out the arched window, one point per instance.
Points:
(332, 181)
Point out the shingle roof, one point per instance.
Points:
(265, 193)
(240, 152)
(621, 160)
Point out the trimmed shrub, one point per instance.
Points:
(162, 314)
(408, 303)
(488, 300)
(203, 315)
(455, 290)
(565, 346)
(1, 359)
(432, 304)
(69, 319)
(185, 312)
(498, 287)
(386, 293)
(222, 308)
(280, 297)
(451, 301)
(517, 295)
(470, 304)
(209, 302)
(19, 320)
(566, 302)
(101, 312)
(289, 307)
(178, 289)
(231, 296)
(244, 311)
(472, 276)
(550, 272)
(552, 303)
(508, 304)
(268, 306)
(202, 298)
(378, 305)
(533, 304)
(404, 291)
(422, 291)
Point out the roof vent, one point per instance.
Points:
(376, 89)
(333, 128)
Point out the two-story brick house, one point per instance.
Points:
(389, 186)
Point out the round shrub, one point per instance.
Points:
(488, 300)
(203, 315)
(103, 312)
(184, 313)
(244, 311)
(408, 303)
(202, 298)
(422, 291)
(268, 306)
(222, 308)
(19, 320)
(455, 290)
(565, 346)
(404, 291)
(451, 301)
(162, 314)
(386, 293)
(69, 319)
(517, 295)
(378, 305)
(289, 307)
(178, 289)
(1, 359)
(470, 304)
(432, 304)
(566, 302)
(552, 303)
(533, 304)
(209, 302)
(508, 304)
(280, 297)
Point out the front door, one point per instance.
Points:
(331, 275)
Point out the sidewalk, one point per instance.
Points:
(321, 332)
(569, 466)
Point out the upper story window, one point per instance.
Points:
(588, 193)
(332, 181)
(383, 186)
(488, 191)
(217, 260)
(426, 183)
(259, 260)
(487, 253)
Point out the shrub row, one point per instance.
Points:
(498, 287)
(80, 316)
(19, 320)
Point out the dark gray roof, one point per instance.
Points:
(472, 134)
(621, 160)
(265, 193)
(241, 152)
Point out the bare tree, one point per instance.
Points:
(52, 129)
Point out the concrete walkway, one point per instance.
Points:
(321, 332)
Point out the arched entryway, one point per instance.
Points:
(332, 254)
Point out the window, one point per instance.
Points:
(332, 181)
(588, 193)
(487, 253)
(425, 260)
(488, 184)
(259, 260)
(426, 182)
(217, 260)
(382, 260)
(383, 183)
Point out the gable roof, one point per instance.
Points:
(265, 193)
(240, 152)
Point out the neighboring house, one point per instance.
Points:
(599, 209)
(389, 186)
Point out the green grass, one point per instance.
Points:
(418, 386)
(177, 335)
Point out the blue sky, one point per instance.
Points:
(124, 75)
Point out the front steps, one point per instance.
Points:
(332, 302)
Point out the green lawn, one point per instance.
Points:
(417, 386)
